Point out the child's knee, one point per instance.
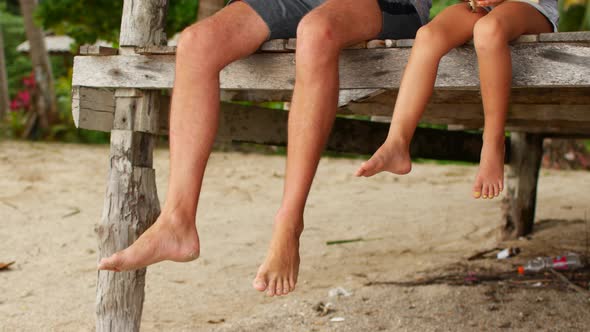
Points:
(489, 33)
(434, 39)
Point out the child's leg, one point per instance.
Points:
(491, 36)
(451, 28)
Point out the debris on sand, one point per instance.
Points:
(339, 291)
(323, 309)
(5, 266)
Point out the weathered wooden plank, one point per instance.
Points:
(525, 96)
(535, 65)
(156, 50)
(275, 45)
(538, 118)
(574, 36)
(521, 184)
(137, 110)
(526, 39)
(263, 126)
(404, 43)
(93, 109)
(98, 50)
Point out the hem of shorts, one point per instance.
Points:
(257, 13)
(537, 7)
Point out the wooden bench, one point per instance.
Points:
(121, 91)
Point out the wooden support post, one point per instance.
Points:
(130, 207)
(131, 203)
(521, 184)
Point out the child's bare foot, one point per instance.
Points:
(489, 181)
(169, 238)
(392, 157)
(278, 274)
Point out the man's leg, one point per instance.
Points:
(321, 35)
(203, 50)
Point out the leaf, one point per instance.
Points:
(5, 266)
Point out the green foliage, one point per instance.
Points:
(18, 65)
(439, 5)
(574, 17)
(90, 20)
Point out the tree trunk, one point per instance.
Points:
(3, 80)
(44, 101)
(209, 7)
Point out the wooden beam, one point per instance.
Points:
(95, 111)
(98, 50)
(551, 65)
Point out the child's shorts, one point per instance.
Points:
(545, 7)
(401, 21)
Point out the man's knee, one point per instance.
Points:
(317, 37)
(489, 33)
(200, 42)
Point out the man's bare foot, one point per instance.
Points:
(392, 157)
(278, 274)
(489, 181)
(168, 239)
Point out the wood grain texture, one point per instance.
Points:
(131, 202)
(521, 185)
(93, 109)
(574, 36)
(98, 50)
(535, 65)
(130, 207)
(143, 23)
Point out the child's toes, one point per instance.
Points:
(496, 190)
(477, 189)
(484, 191)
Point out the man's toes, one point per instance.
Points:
(292, 283)
(501, 185)
(112, 263)
(260, 283)
(271, 289)
(286, 287)
(279, 287)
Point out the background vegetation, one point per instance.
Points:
(90, 20)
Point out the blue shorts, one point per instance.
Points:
(400, 20)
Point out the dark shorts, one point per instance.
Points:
(283, 16)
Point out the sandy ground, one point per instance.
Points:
(51, 198)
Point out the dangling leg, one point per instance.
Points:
(451, 28)
(204, 49)
(491, 36)
(321, 36)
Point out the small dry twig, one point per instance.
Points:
(569, 283)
